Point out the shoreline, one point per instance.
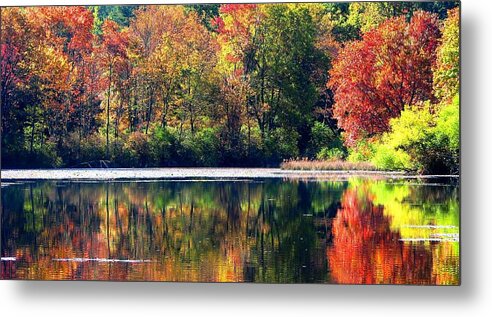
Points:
(197, 173)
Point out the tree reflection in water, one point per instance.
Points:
(246, 230)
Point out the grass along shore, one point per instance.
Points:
(327, 165)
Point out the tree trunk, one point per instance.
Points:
(151, 102)
(107, 112)
(32, 135)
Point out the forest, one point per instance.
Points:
(232, 85)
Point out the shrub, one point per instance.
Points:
(328, 154)
(121, 154)
(254, 152)
(206, 145)
(422, 141)
(440, 153)
(92, 148)
(363, 151)
(322, 138)
(388, 158)
(447, 125)
(162, 146)
(138, 144)
(44, 156)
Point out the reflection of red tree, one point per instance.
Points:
(366, 251)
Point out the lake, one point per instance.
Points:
(358, 230)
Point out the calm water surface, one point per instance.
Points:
(277, 231)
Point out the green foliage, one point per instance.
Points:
(447, 125)
(206, 144)
(422, 141)
(333, 154)
(362, 151)
(281, 144)
(366, 15)
(323, 138)
(118, 13)
(162, 145)
(45, 156)
(41, 156)
(447, 69)
(389, 158)
(343, 30)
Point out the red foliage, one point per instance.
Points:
(233, 7)
(114, 41)
(235, 26)
(218, 23)
(373, 79)
(72, 26)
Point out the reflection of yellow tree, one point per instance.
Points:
(413, 208)
(367, 247)
(419, 213)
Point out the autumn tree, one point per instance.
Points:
(174, 56)
(68, 33)
(447, 68)
(113, 52)
(233, 94)
(255, 83)
(15, 41)
(280, 49)
(46, 73)
(374, 78)
(207, 13)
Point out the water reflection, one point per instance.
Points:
(360, 231)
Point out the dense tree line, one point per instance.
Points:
(221, 85)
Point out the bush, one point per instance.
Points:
(447, 125)
(363, 151)
(92, 148)
(254, 152)
(121, 154)
(139, 147)
(322, 138)
(44, 156)
(440, 152)
(162, 146)
(388, 158)
(206, 147)
(422, 141)
(327, 154)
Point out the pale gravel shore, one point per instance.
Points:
(192, 173)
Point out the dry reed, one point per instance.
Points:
(332, 165)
